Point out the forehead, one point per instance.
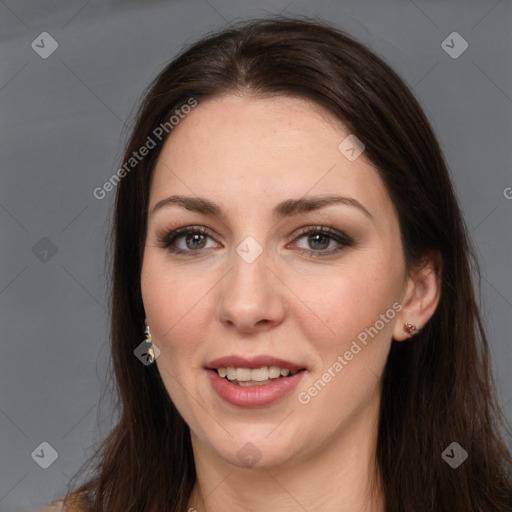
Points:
(246, 151)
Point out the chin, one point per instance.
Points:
(258, 450)
(251, 458)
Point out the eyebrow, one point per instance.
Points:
(287, 208)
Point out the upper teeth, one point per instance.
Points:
(257, 374)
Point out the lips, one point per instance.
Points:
(253, 394)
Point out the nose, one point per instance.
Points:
(252, 296)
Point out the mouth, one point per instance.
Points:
(255, 376)
(253, 382)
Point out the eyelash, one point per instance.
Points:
(167, 240)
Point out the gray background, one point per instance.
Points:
(63, 124)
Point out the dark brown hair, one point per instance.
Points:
(436, 389)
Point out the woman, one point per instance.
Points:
(287, 237)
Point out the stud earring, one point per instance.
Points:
(409, 328)
(150, 354)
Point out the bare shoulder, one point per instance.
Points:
(57, 506)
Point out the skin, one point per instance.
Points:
(247, 154)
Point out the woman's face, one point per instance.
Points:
(252, 287)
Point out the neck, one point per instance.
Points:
(339, 476)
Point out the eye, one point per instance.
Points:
(193, 238)
(319, 239)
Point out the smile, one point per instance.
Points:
(254, 381)
(254, 376)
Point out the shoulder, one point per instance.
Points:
(55, 506)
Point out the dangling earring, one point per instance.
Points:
(150, 354)
(409, 328)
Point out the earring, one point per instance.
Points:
(409, 328)
(150, 354)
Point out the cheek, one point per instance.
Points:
(173, 300)
(169, 308)
(179, 308)
(339, 306)
(351, 335)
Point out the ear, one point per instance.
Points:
(422, 291)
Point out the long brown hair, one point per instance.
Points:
(437, 388)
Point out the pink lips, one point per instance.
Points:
(252, 396)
